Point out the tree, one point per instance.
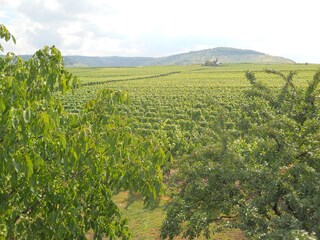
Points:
(212, 63)
(58, 170)
(262, 175)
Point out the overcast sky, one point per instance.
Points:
(163, 27)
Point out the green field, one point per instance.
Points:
(181, 106)
(178, 101)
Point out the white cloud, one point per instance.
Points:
(159, 28)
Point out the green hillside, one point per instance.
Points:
(224, 55)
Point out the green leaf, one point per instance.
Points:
(27, 115)
(2, 105)
(29, 166)
(9, 82)
(13, 39)
(45, 124)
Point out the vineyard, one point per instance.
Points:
(185, 103)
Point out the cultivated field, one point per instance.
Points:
(181, 102)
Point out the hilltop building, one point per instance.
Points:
(214, 62)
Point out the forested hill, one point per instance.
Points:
(223, 54)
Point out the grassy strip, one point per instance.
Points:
(145, 224)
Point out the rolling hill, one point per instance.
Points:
(224, 54)
(84, 61)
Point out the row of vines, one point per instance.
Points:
(186, 107)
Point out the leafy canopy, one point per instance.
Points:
(263, 173)
(59, 171)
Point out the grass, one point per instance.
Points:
(145, 224)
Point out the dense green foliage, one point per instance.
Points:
(58, 170)
(262, 175)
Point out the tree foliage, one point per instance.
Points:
(262, 175)
(59, 171)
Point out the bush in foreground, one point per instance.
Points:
(262, 175)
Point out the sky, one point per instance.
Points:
(157, 28)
